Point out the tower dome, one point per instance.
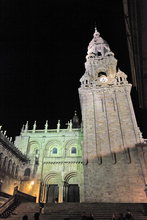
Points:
(101, 65)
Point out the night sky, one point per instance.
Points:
(43, 45)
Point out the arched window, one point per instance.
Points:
(102, 74)
(54, 150)
(16, 172)
(73, 150)
(13, 169)
(99, 54)
(1, 160)
(9, 166)
(27, 172)
(5, 163)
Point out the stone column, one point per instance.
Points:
(81, 192)
(60, 199)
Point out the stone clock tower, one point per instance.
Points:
(112, 171)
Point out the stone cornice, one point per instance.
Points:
(108, 89)
(63, 162)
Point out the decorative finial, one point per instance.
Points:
(0, 127)
(67, 125)
(34, 127)
(46, 126)
(22, 129)
(58, 126)
(5, 132)
(70, 125)
(26, 127)
(95, 28)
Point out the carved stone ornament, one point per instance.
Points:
(101, 65)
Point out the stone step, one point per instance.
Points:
(27, 208)
(101, 211)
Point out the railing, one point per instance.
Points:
(5, 195)
(7, 208)
(25, 196)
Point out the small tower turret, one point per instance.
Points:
(75, 121)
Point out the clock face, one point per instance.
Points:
(103, 79)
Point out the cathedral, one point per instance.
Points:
(103, 159)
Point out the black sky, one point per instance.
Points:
(43, 45)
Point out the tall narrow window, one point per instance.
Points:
(27, 172)
(1, 159)
(5, 164)
(9, 167)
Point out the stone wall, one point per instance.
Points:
(112, 170)
(119, 182)
(12, 166)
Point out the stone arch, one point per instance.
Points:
(71, 188)
(32, 147)
(69, 176)
(49, 179)
(53, 175)
(68, 147)
(52, 144)
(102, 73)
(27, 172)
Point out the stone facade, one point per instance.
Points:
(103, 161)
(56, 159)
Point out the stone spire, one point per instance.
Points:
(26, 127)
(34, 127)
(22, 129)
